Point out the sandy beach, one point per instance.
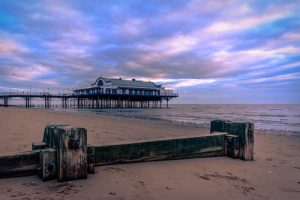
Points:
(275, 173)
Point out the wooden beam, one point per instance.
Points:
(39, 145)
(180, 148)
(19, 164)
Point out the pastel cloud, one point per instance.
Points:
(20, 74)
(223, 46)
(8, 46)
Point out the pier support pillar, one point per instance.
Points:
(47, 102)
(27, 102)
(5, 101)
(64, 102)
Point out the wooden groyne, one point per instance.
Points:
(65, 155)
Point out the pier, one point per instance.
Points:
(103, 93)
(98, 100)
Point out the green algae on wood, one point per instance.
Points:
(181, 148)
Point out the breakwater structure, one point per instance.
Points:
(64, 153)
(103, 93)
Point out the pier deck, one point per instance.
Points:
(97, 100)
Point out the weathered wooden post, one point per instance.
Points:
(218, 126)
(49, 132)
(71, 147)
(245, 133)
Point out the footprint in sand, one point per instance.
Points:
(168, 188)
(63, 188)
(238, 183)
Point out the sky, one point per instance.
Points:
(208, 51)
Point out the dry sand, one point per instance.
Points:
(275, 173)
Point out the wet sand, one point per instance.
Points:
(275, 173)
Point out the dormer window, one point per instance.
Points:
(100, 83)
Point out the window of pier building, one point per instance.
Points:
(107, 91)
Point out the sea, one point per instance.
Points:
(273, 118)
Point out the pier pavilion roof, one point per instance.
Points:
(126, 83)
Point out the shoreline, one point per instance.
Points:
(274, 174)
(187, 129)
(144, 114)
(174, 122)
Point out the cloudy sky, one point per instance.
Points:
(209, 51)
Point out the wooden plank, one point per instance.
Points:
(232, 146)
(48, 164)
(180, 148)
(91, 159)
(39, 145)
(19, 164)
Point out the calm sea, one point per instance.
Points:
(271, 118)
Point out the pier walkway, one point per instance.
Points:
(95, 100)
